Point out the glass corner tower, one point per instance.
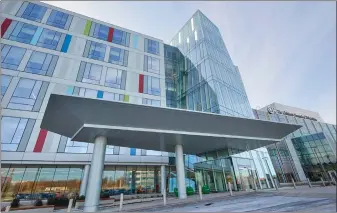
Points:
(207, 80)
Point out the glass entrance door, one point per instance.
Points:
(247, 178)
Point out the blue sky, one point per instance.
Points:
(286, 51)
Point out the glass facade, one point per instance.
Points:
(209, 81)
(309, 151)
(30, 182)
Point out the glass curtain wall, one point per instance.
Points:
(31, 182)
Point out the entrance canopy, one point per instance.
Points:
(156, 128)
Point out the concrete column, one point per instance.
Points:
(84, 182)
(163, 179)
(95, 175)
(180, 172)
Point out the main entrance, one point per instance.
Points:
(154, 128)
(247, 178)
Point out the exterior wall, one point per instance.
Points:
(288, 159)
(38, 146)
(295, 110)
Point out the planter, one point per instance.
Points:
(102, 201)
(33, 209)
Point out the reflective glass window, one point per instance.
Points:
(22, 32)
(121, 37)
(92, 73)
(12, 129)
(74, 179)
(152, 46)
(96, 50)
(25, 94)
(151, 102)
(41, 63)
(59, 19)
(33, 12)
(109, 96)
(114, 78)
(153, 64)
(5, 81)
(49, 39)
(88, 93)
(151, 85)
(76, 147)
(11, 56)
(12, 184)
(117, 56)
(101, 31)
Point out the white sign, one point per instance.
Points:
(272, 110)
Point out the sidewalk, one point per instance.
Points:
(174, 202)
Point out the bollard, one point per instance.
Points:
(309, 183)
(200, 192)
(164, 197)
(230, 188)
(121, 202)
(322, 181)
(70, 204)
(7, 208)
(292, 179)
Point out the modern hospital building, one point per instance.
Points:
(48, 50)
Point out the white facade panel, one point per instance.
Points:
(10, 7)
(77, 25)
(76, 46)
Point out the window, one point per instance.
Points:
(59, 19)
(152, 46)
(118, 56)
(151, 102)
(109, 96)
(121, 37)
(11, 56)
(76, 147)
(49, 39)
(5, 81)
(95, 50)
(31, 11)
(151, 85)
(91, 73)
(25, 94)
(41, 63)
(115, 78)
(12, 130)
(100, 31)
(88, 93)
(151, 64)
(21, 32)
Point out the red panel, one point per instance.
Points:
(40, 140)
(110, 35)
(5, 25)
(141, 83)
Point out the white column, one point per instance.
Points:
(95, 175)
(163, 179)
(84, 182)
(180, 172)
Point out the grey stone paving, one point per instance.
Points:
(289, 200)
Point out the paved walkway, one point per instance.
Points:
(303, 198)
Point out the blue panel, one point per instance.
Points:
(36, 36)
(99, 94)
(66, 43)
(70, 90)
(132, 151)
